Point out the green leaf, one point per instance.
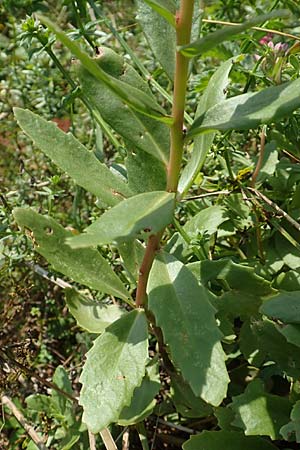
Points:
(160, 34)
(87, 266)
(73, 158)
(62, 406)
(130, 95)
(249, 345)
(132, 254)
(115, 366)
(91, 315)
(284, 306)
(39, 403)
(139, 132)
(149, 212)
(186, 317)
(274, 344)
(211, 40)
(207, 221)
(214, 93)
(249, 110)
(185, 401)
(269, 162)
(165, 8)
(226, 440)
(291, 431)
(291, 333)
(145, 173)
(260, 413)
(143, 402)
(244, 290)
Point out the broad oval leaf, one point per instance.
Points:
(285, 306)
(187, 319)
(91, 315)
(214, 93)
(211, 40)
(73, 158)
(139, 132)
(115, 366)
(291, 333)
(84, 266)
(207, 221)
(250, 110)
(129, 94)
(292, 429)
(149, 212)
(226, 440)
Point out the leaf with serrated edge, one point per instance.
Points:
(87, 266)
(226, 440)
(249, 110)
(115, 366)
(211, 40)
(130, 95)
(187, 320)
(149, 212)
(214, 93)
(91, 315)
(73, 158)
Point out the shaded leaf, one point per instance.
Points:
(284, 306)
(145, 173)
(60, 405)
(91, 315)
(249, 110)
(149, 212)
(260, 413)
(226, 440)
(39, 403)
(129, 94)
(143, 402)
(185, 401)
(160, 35)
(182, 310)
(291, 333)
(214, 93)
(115, 366)
(73, 158)
(87, 266)
(139, 131)
(249, 345)
(211, 40)
(132, 254)
(291, 431)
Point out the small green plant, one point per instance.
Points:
(208, 300)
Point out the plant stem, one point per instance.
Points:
(183, 32)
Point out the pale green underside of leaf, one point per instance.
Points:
(206, 221)
(149, 212)
(165, 8)
(91, 315)
(250, 110)
(130, 95)
(211, 40)
(186, 317)
(214, 93)
(226, 440)
(115, 366)
(143, 402)
(160, 35)
(73, 158)
(87, 266)
(260, 413)
(145, 173)
(139, 131)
